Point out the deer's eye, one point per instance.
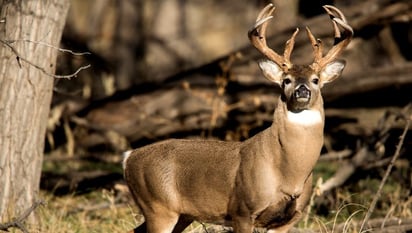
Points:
(286, 81)
(315, 81)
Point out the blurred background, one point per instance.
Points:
(185, 69)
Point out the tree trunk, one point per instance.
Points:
(29, 29)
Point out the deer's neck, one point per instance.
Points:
(298, 138)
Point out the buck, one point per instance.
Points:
(264, 181)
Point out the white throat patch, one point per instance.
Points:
(305, 117)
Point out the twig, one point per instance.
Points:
(51, 46)
(18, 222)
(20, 58)
(388, 171)
(68, 76)
(204, 227)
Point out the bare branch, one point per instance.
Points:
(69, 76)
(18, 222)
(51, 46)
(20, 58)
(388, 171)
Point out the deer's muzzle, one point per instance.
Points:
(302, 93)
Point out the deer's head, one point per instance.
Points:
(301, 84)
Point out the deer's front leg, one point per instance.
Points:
(243, 225)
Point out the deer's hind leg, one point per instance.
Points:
(158, 219)
(161, 223)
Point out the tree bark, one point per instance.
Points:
(30, 31)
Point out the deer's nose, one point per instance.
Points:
(302, 93)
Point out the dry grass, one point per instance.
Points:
(95, 212)
(98, 212)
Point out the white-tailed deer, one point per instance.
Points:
(264, 181)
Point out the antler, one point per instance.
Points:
(341, 39)
(257, 36)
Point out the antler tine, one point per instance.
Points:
(316, 45)
(289, 47)
(344, 25)
(261, 22)
(341, 39)
(257, 36)
(333, 11)
(266, 12)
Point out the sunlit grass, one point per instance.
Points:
(98, 212)
(94, 212)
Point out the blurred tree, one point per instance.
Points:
(30, 31)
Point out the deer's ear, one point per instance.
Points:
(271, 71)
(332, 71)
